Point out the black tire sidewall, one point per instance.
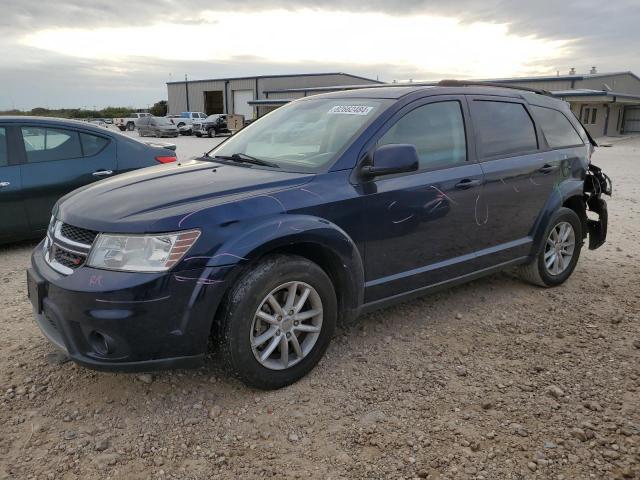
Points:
(243, 303)
(562, 215)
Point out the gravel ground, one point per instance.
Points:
(492, 380)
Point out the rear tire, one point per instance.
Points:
(241, 326)
(211, 133)
(131, 126)
(538, 271)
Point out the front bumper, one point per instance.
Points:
(122, 321)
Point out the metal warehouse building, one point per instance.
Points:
(239, 95)
(606, 103)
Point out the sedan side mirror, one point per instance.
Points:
(392, 159)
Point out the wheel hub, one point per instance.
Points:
(286, 325)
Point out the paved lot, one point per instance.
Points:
(491, 380)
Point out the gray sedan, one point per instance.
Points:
(157, 127)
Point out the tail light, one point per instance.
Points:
(165, 159)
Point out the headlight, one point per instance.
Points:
(141, 253)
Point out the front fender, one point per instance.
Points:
(307, 235)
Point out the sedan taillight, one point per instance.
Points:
(165, 159)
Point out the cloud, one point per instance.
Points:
(593, 32)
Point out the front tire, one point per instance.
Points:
(131, 126)
(558, 256)
(277, 321)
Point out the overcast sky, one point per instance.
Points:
(86, 53)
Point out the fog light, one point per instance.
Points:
(100, 343)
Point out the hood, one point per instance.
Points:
(154, 199)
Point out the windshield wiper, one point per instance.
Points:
(244, 158)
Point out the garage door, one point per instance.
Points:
(631, 119)
(241, 99)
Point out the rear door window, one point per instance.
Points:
(436, 130)
(503, 128)
(556, 128)
(92, 144)
(4, 154)
(48, 144)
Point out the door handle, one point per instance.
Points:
(467, 183)
(4, 184)
(546, 168)
(102, 173)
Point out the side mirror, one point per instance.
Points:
(392, 159)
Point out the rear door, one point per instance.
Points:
(13, 220)
(519, 176)
(57, 161)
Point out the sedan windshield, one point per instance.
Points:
(305, 135)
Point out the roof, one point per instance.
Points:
(51, 120)
(294, 75)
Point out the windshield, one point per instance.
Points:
(306, 135)
(161, 121)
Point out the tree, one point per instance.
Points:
(159, 109)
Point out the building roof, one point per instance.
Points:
(585, 92)
(294, 75)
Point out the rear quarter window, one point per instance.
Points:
(503, 128)
(556, 128)
(92, 144)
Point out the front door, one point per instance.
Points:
(13, 221)
(421, 226)
(58, 161)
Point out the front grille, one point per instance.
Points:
(67, 258)
(77, 234)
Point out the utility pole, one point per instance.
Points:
(186, 89)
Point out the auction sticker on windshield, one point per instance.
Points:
(351, 109)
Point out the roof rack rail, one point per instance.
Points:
(470, 83)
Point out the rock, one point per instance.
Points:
(461, 371)
(555, 392)
(56, 358)
(611, 454)
(158, 461)
(636, 343)
(145, 378)
(458, 316)
(580, 434)
(532, 466)
(593, 406)
(293, 437)
(70, 435)
(370, 418)
(102, 445)
(21, 390)
(550, 445)
(215, 411)
(487, 405)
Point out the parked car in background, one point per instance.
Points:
(266, 241)
(129, 123)
(211, 126)
(42, 159)
(99, 123)
(156, 127)
(185, 120)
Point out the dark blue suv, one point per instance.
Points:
(327, 207)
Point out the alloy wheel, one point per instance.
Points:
(559, 248)
(286, 325)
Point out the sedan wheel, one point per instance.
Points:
(286, 325)
(559, 248)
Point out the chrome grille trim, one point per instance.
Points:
(58, 248)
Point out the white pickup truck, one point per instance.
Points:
(129, 123)
(185, 120)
